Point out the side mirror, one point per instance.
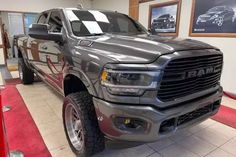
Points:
(41, 31)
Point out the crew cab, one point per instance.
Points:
(119, 82)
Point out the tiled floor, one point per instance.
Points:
(4, 72)
(15, 74)
(1, 80)
(210, 138)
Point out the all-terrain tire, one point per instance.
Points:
(26, 74)
(93, 139)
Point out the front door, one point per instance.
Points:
(33, 53)
(50, 53)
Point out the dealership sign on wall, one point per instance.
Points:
(216, 18)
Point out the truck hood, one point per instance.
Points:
(141, 48)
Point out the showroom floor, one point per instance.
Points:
(211, 139)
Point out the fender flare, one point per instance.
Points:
(83, 77)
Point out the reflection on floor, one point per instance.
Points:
(211, 139)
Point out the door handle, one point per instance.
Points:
(44, 47)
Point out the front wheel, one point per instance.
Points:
(81, 125)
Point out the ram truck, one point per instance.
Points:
(165, 21)
(120, 83)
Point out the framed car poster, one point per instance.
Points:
(164, 18)
(213, 18)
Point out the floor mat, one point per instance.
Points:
(226, 116)
(22, 132)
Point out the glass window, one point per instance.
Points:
(124, 25)
(55, 22)
(16, 24)
(29, 18)
(85, 23)
(43, 18)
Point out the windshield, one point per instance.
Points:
(164, 16)
(217, 9)
(86, 23)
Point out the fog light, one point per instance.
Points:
(127, 121)
(130, 124)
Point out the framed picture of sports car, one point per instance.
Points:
(213, 18)
(164, 18)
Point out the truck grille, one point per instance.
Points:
(177, 83)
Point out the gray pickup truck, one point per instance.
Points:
(120, 83)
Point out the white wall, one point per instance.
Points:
(39, 5)
(121, 6)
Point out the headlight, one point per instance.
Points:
(129, 82)
(215, 16)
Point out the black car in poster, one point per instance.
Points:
(213, 18)
(165, 21)
(218, 16)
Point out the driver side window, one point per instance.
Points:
(55, 22)
(43, 18)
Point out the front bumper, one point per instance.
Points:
(155, 118)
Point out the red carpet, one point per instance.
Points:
(22, 132)
(226, 116)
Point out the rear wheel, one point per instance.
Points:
(25, 74)
(81, 126)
